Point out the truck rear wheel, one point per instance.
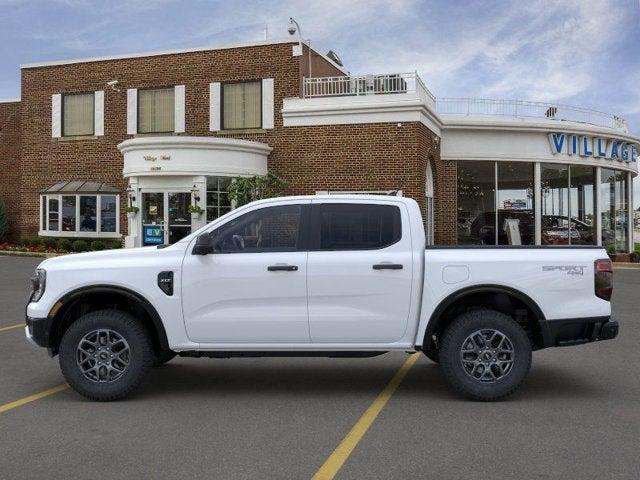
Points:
(485, 355)
(105, 355)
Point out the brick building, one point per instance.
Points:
(162, 131)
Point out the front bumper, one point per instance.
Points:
(576, 331)
(38, 331)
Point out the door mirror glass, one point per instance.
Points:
(204, 245)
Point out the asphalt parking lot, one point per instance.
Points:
(577, 417)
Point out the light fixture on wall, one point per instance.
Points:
(114, 85)
(132, 194)
(292, 29)
(195, 193)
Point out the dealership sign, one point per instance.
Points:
(596, 147)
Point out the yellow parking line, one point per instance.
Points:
(11, 327)
(32, 398)
(334, 463)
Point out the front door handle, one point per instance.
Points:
(387, 266)
(282, 268)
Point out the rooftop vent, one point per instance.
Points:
(334, 57)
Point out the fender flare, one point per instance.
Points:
(485, 288)
(156, 320)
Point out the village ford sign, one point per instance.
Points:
(596, 147)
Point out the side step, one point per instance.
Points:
(254, 354)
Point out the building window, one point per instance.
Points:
(614, 191)
(476, 203)
(78, 215)
(78, 114)
(241, 105)
(218, 202)
(156, 110)
(516, 219)
(568, 205)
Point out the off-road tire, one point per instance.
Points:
(140, 358)
(451, 351)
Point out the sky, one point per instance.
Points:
(577, 52)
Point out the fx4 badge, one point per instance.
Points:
(570, 269)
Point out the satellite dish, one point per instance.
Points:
(334, 57)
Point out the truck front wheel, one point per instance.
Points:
(485, 355)
(104, 355)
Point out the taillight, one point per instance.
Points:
(603, 273)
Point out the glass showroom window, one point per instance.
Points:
(476, 203)
(156, 110)
(77, 114)
(516, 219)
(568, 205)
(241, 105)
(614, 190)
(78, 215)
(218, 202)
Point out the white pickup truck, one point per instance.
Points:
(336, 276)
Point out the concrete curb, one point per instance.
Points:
(11, 253)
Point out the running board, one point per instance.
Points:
(254, 354)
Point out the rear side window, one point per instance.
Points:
(348, 226)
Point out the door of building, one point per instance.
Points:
(165, 217)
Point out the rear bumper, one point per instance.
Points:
(576, 331)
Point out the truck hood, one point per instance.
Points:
(125, 257)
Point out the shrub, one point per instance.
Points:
(26, 242)
(50, 242)
(65, 244)
(634, 257)
(115, 244)
(36, 241)
(97, 245)
(80, 246)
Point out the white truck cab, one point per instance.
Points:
(344, 275)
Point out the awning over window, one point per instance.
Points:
(81, 186)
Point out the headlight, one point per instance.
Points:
(38, 284)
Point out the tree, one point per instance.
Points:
(4, 221)
(248, 189)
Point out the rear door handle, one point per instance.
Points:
(282, 268)
(387, 266)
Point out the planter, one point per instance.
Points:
(622, 257)
(131, 215)
(196, 216)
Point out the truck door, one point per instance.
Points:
(359, 272)
(253, 288)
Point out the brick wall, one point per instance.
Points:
(337, 157)
(9, 160)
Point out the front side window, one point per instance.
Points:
(156, 110)
(78, 114)
(242, 105)
(358, 227)
(271, 229)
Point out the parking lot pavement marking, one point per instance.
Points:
(32, 398)
(11, 327)
(334, 463)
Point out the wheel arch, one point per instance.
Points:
(97, 297)
(499, 297)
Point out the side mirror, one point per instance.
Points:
(204, 245)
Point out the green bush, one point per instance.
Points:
(26, 242)
(50, 242)
(80, 246)
(97, 245)
(65, 244)
(634, 257)
(36, 241)
(115, 244)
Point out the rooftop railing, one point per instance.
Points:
(399, 83)
(526, 109)
(356, 85)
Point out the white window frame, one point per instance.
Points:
(77, 233)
